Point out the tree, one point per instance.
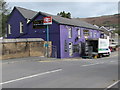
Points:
(63, 14)
(4, 13)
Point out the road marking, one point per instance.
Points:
(45, 61)
(39, 74)
(90, 64)
(112, 61)
(112, 84)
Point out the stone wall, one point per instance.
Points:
(17, 48)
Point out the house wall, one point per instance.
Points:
(54, 34)
(14, 20)
(64, 36)
(57, 33)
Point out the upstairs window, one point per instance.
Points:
(102, 35)
(79, 33)
(9, 29)
(21, 27)
(70, 33)
(91, 33)
(86, 33)
(95, 35)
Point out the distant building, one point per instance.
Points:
(68, 35)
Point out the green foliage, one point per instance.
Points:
(64, 14)
(4, 13)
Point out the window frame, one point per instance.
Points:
(9, 29)
(91, 34)
(86, 33)
(70, 32)
(21, 27)
(65, 46)
(95, 35)
(79, 32)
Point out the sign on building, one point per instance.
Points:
(38, 24)
(47, 20)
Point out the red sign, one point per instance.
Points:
(47, 20)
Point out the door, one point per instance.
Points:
(70, 49)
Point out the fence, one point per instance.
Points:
(15, 48)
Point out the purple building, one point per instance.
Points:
(67, 35)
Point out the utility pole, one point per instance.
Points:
(47, 41)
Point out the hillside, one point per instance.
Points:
(108, 20)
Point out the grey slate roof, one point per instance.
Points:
(29, 14)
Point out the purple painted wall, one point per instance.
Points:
(64, 36)
(54, 33)
(57, 33)
(14, 21)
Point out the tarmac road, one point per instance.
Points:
(67, 73)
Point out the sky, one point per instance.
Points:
(77, 9)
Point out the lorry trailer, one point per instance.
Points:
(96, 48)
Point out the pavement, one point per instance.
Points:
(45, 59)
(34, 72)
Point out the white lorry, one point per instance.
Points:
(103, 47)
(97, 48)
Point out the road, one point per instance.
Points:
(75, 73)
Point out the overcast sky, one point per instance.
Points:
(77, 9)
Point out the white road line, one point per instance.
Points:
(92, 64)
(112, 85)
(89, 64)
(112, 61)
(39, 74)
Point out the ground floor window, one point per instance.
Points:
(76, 48)
(65, 46)
(70, 48)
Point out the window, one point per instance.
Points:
(65, 46)
(102, 35)
(70, 33)
(21, 27)
(91, 33)
(9, 29)
(95, 35)
(86, 33)
(76, 48)
(79, 33)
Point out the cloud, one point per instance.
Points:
(77, 9)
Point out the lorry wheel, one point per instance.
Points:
(100, 56)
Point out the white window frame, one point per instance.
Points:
(70, 48)
(70, 32)
(95, 35)
(9, 29)
(86, 34)
(91, 34)
(79, 33)
(21, 27)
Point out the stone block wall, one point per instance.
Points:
(17, 48)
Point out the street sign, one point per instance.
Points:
(47, 20)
